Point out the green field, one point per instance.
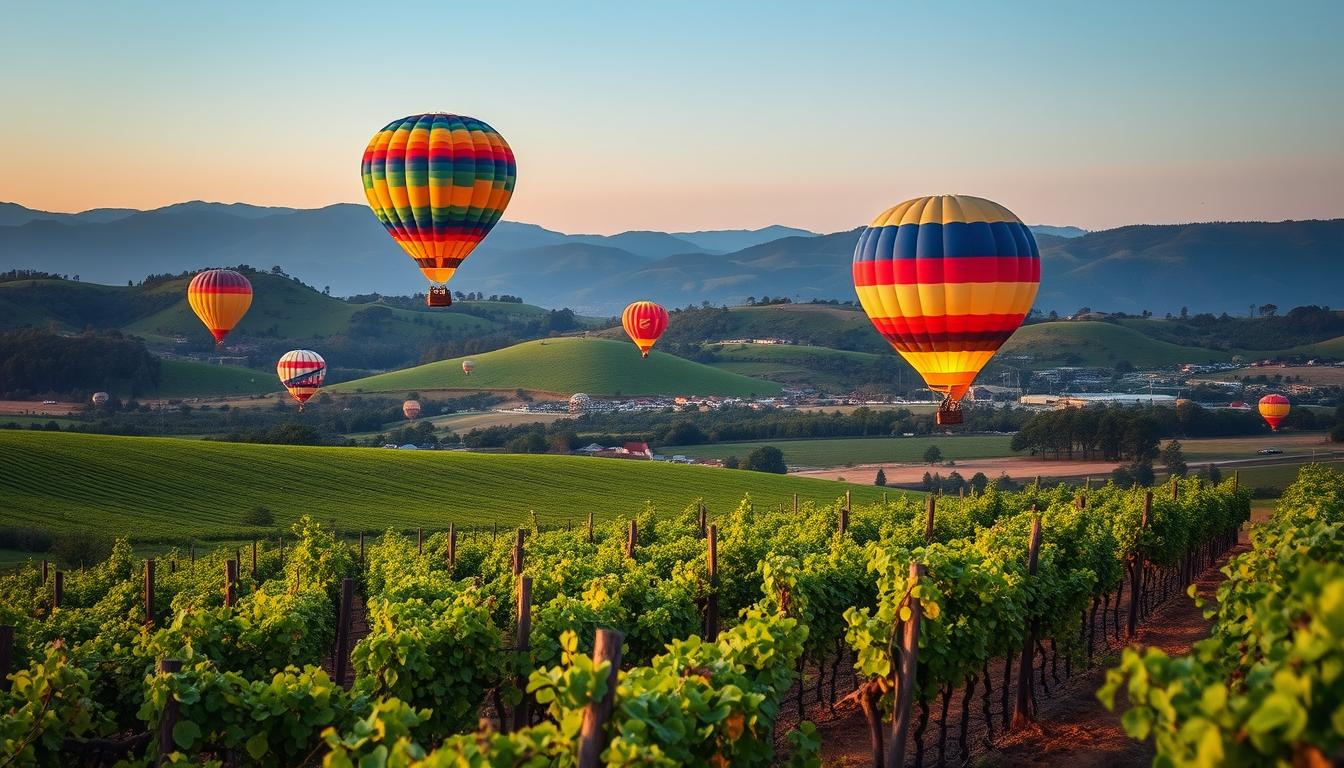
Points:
(1235, 448)
(162, 489)
(567, 365)
(840, 451)
(1275, 476)
(186, 378)
(1102, 345)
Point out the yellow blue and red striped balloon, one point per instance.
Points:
(1274, 409)
(438, 183)
(302, 371)
(946, 280)
(220, 298)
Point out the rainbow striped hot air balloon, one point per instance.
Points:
(302, 371)
(644, 322)
(438, 183)
(1274, 409)
(220, 298)
(946, 280)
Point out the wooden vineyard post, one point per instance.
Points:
(712, 602)
(361, 547)
(238, 561)
(59, 592)
(149, 591)
(172, 565)
(1175, 489)
(607, 647)
(700, 520)
(590, 527)
(45, 568)
(1022, 711)
(193, 552)
(343, 629)
(230, 582)
(518, 552)
(929, 506)
(905, 669)
(1136, 569)
(419, 541)
(452, 546)
(6, 654)
(848, 502)
(168, 721)
(523, 643)
(884, 498)
(1081, 503)
(254, 559)
(844, 515)
(631, 540)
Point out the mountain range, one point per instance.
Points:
(1212, 267)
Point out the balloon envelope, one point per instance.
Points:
(644, 322)
(411, 409)
(220, 298)
(468, 366)
(101, 398)
(302, 371)
(1274, 409)
(946, 280)
(438, 183)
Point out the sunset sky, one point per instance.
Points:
(679, 116)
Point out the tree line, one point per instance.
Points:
(37, 363)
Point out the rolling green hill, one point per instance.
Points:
(839, 451)
(567, 365)
(161, 489)
(185, 378)
(796, 364)
(1100, 344)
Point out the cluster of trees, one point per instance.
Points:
(36, 363)
(1269, 330)
(1110, 434)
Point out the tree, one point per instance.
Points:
(1268, 310)
(881, 479)
(767, 458)
(933, 455)
(258, 515)
(1211, 474)
(978, 482)
(1337, 434)
(684, 433)
(926, 482)
(1173, 459)
(731, 463)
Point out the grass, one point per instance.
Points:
(1096, 344)
(1274, 476)
(840, 451)
(567, 365)
(163, 489)
(1226, 448)
(1319, 375)
(186, 378)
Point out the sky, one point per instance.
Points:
(689, 115)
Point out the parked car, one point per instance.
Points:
(1268, 451)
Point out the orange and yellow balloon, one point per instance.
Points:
(1274, 409)
(411, 409)
(302, 371)
(438, 183)
(220, 298)
(644, 322)
(946, 280)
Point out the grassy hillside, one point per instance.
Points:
(567, 365)
(792, 363)
(284, 308)
(838, 451)
(185, 378)
(165, 489)
(1100, 344)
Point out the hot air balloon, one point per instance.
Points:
(468, 366)
(302, 371)
(1273, 409)
(438, 183)
(644, 321)
(220, 298)
(101, 398)
(946, 280)
(411, 409)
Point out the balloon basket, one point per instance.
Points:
(949, 412)
(439, 296)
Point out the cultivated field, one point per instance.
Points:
(568, 365)
(1318, 375)
(839, 451)
(162, 489)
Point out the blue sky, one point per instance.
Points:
(693, 115)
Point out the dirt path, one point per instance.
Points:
(1073, 728)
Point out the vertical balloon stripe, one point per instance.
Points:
(438, 183)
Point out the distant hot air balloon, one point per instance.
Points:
(411, 409)
(644, 321)
(468, 366)
(438, 183)
(220, 298)
(101, 398)
(1273, 409)
(302, 371)
(946, 280)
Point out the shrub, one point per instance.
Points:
(258, 516)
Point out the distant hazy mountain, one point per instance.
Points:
(1206, 267)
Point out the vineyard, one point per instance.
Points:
(691, 638)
